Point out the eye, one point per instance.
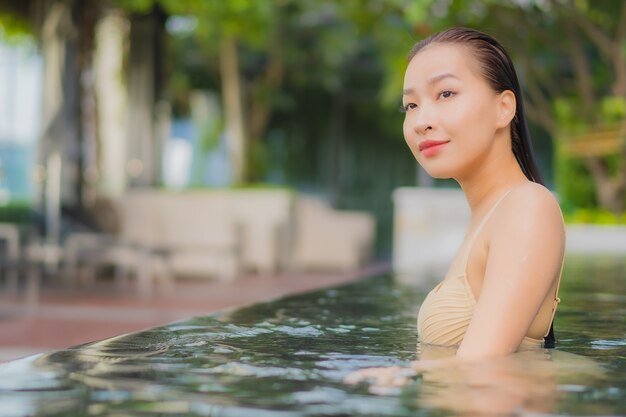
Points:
(406, 107)
(446, 94)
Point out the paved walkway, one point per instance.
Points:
(67, 317)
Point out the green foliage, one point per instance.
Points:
(16, 212)
(564, 110)
(258, 159)
(613, 109)
(137, 6)
(317, 43)
(574, 184)
(245, 20)
(417, 11)
(571, 118)
(15, 27)
(594, 216)
(210, 135)
(574, 181)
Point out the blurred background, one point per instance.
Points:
(141, 135)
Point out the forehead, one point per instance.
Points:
(438, 59)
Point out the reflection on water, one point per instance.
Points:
(532, 381)
(289, 357)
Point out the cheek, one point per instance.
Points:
(472, 121)
(409, 136)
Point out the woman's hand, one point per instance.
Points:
(392, 376)
(395, 376)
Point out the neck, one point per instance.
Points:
(494, 177)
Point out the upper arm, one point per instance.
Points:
(525, 253)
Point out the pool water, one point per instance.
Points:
(288, 357)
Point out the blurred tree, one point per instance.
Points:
(64, 32)
(304, 41)
(571, 58)
(222, 29)
(146, 95)
(574, 63)
(270, 57)
(295, 41)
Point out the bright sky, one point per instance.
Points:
(20, 93)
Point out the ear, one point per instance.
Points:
(506, 108)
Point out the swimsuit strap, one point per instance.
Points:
(480, 226)
(549, 339)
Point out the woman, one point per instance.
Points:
(465, 120)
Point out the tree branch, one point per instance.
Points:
(539, 116)
(545, 81)
(620, 33)
(619, 61)
(269, 81)
(541, 109)
(581, 68)
(599, 37)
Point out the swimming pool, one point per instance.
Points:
(288, 357)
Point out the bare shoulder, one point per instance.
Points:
(533, 193)
(529, 232)
(533, 208)
(536, 199)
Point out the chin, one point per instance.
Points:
(440, 174)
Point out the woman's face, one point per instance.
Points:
(451, 112)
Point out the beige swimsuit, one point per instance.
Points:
(448, 308)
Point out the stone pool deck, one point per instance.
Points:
(67, 317)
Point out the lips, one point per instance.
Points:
(430, 148)
(430, 143)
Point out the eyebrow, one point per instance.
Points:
(432, 80)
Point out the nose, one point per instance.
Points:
(424, 120)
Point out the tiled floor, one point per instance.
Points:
(66, 317)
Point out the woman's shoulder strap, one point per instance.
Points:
(481, 225)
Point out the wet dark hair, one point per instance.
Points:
(497, 68)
